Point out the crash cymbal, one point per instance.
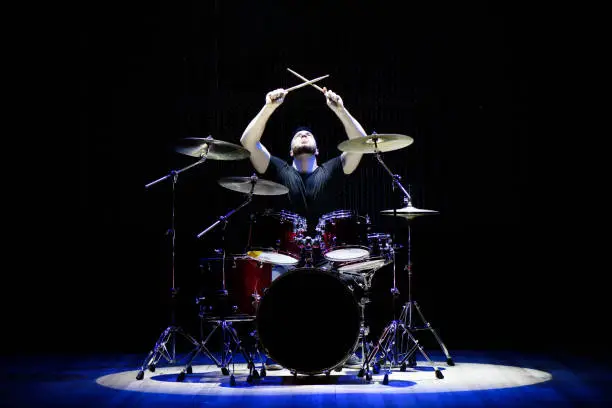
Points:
(375, 143)
(211, 149)
(244, 185)
(409, 212)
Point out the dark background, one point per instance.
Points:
(456, 78)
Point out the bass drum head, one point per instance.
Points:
(308, 321)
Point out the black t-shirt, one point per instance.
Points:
(310, 195)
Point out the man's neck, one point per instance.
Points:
(305, 163)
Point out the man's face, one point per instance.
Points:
(303, 142)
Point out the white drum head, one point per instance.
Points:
(347, 254)
(272, 257)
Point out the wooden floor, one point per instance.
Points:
(478, 379)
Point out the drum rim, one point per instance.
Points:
(378, 234)
(283, 214)
(386, 261)
(342, 214)
(320, 271)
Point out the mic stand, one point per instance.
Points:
(224, 319)
(387, 342)
(168, 335)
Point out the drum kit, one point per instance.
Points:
(310, 319)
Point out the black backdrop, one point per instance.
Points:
(455, 78)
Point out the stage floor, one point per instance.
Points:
(478, 379)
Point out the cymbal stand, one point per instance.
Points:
(169, 334)
(387, 343)
(225, 318)
(407, 314)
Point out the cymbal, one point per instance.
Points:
(211, 149)
(409, 212)
(244, 185)
(375, 143)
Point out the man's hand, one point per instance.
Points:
(276, 97)
(334, 101)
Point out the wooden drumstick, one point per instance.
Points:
(305, 79)
(306, 83)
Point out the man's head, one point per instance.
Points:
(303, 142)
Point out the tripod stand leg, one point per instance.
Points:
(161, 350)
(194, 353)
(418, 345)
(381, 344)
(257, 352)
(365, 349)
(234, 337)
(449, 360)
(205, 349)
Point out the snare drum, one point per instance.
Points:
(343, 236)
(274, 237)
(381, 254)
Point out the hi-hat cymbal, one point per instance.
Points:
(211, 149)
(409, 212)
(375, 143)
(258, 186)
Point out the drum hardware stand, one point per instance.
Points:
(169, 334)
(224, 321)
(308, 244)
(387, 343)
(406, 314)
(364, 330)
(230, 338)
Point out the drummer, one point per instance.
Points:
(313, 187)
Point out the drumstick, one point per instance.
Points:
(306, 83)
(305, 79)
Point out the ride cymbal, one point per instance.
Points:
(375, 143)
(409, 212)
(256, 185)
(211, 149)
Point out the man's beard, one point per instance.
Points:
(304, 149)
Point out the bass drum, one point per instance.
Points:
(308, 321)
